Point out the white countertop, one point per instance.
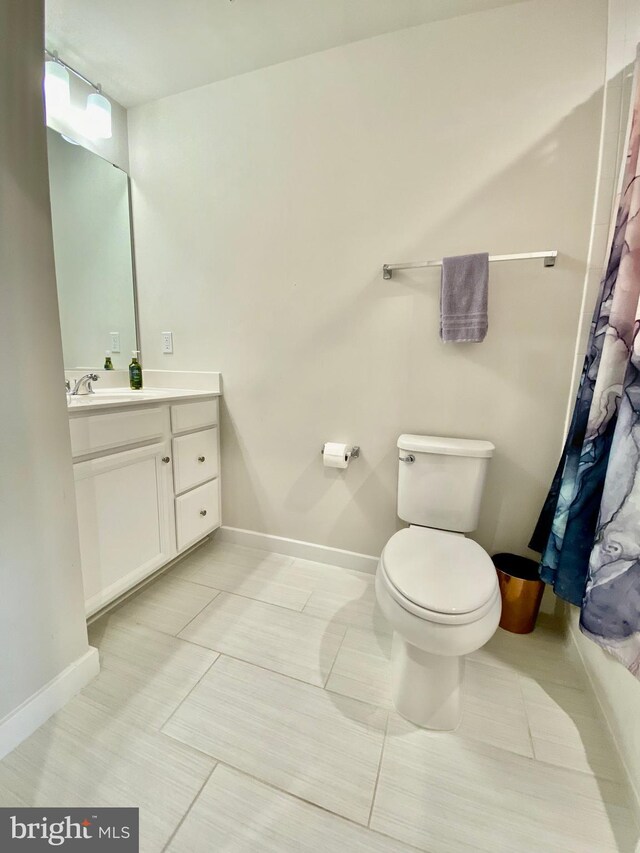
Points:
(117, 398)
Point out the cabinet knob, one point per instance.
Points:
(166, 459)
(200, 458)
(203, 512)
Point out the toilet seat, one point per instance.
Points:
(439, 576)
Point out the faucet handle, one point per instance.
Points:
(85, 382)
(91, 377)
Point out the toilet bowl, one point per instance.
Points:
(440, 594)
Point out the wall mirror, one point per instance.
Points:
(93, 256)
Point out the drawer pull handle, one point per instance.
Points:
(203, 512)
(166, 459)
(200, 458)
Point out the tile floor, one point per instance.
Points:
(243, 705)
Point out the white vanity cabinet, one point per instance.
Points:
(147, 488)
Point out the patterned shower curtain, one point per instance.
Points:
(589, 529)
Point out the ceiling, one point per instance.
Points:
(141, 50)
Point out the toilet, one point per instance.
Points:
(438, 589)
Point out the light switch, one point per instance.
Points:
(167, 342)
(115, 341)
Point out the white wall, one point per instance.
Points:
(42, 626)
(265, 205)
(92, 248)
(617, 690)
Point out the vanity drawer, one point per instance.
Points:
(95, 433)
(195, 459)
(197, 513)
(190, 416)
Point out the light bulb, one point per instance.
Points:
(56, 89)
(98, 116)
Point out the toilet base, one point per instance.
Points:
(426, 689)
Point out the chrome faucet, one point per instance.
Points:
(83, 385)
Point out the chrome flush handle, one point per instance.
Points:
(409, 458)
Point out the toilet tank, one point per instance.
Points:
(440, 481)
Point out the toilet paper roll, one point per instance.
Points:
(335, 455)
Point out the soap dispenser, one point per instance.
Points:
(135, 372)
(108, 364)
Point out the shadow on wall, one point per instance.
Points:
(398, 378)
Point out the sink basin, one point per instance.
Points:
(112, 395)
(115, 397)
(85, 399)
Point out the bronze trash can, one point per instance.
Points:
(521, 590)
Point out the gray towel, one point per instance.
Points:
(464, 298)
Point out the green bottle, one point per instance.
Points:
(135, 372)
(108, 364)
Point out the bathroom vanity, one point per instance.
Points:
(146, 463)
(146, 468)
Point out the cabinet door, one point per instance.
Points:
(125, 520)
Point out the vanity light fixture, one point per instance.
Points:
(94, 121)
(98, 115)
(56, 89)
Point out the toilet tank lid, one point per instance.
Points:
(446, 446)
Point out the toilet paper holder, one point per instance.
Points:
(353, 454)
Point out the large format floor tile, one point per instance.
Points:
(300, 738)
(445, 794)
(342, 596)
(542, 654)
(237, 814)
(347, 609)
(239, 555)
(85, 757)
(292, 643)
(144, 675)
(321, 577)
(167, 604)
(284, 677)
(270, 582)
(361, 669)
(567, 729)
(494, 710)
(331, 593)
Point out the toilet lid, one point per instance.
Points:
(439, 571)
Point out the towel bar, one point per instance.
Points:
(549, 258)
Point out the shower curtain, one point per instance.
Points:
(589, 528)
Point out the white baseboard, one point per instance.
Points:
(297, 548)
(36, 710)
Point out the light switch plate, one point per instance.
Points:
(167, 342)
(115, 341)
